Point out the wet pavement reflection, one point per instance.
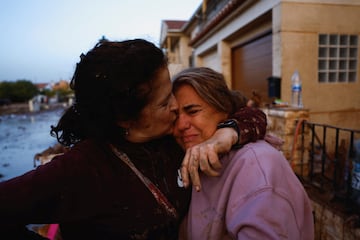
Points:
(21, 137)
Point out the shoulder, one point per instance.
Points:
(259, 163)
(84, 155)
(257, 150)
(260, 150)
(262, 164)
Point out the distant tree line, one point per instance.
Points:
(24, 90)
(19, 91)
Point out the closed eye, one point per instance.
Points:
(166, 101)
(165, 104)
(192, 109)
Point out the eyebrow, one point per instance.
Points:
(188, 107)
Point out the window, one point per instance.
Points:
(337, 61)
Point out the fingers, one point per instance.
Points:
(184, 170)
(209, 161)
(200, 157)
(190, 169)
(194, 167)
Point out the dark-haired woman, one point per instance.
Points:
(119, 179)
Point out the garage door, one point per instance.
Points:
(252, 65)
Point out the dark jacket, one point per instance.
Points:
(93, 195)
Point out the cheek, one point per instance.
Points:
(163, 120)
(168, 116)
(203, 127)
(208, 131)
(150, 119)
(211, 122)
(157, 116)
(208, 128)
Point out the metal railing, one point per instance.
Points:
(326, 159)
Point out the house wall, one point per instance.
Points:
(175, 64)
(179, 57)
(212, 60)
(296, 26)
(184, 51)
(225, 37)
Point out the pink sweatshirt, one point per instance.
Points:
(258, 196)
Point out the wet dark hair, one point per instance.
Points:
(112, 83)
(211, 86)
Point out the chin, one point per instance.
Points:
(188, 145)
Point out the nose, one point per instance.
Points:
(182, 122)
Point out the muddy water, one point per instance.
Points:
(21, 137)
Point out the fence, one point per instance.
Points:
(326, 162)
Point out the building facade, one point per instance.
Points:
(252, 42)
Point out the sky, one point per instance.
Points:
(41, 40)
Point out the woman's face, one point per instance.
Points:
(158, 117)
(197, 120)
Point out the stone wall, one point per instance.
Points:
(332, 225)
(283, 122)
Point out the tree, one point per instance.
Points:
(6, 89)
(19, 91)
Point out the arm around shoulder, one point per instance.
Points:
(252, 123)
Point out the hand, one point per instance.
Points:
(206, 157)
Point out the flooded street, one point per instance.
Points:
(21, 137)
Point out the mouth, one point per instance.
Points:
(189, 138)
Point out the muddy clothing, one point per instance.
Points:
(92, 194)
(257, 196)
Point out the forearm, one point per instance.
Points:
(252, 124)
(224, 139)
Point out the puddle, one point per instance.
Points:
(21, 137)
